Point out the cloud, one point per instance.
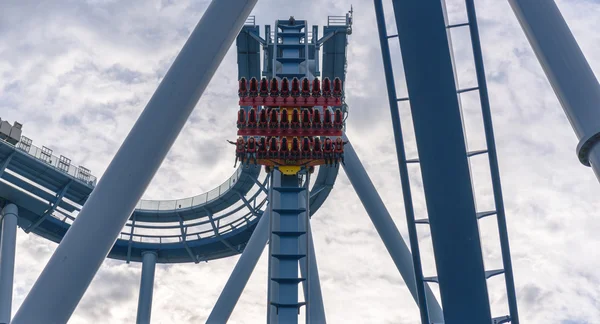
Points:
(77, 74)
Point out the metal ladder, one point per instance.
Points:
(490, 151)
(288, 245)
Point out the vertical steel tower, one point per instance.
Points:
(52, 192)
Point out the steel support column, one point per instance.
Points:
(385, 226)
(568, 71)
(493, 161)
(401, 156)
(312, 287)
(7, 260)
(144, 311)
(443, 159)
(90, 238)
(241, 273)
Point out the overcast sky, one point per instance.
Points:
(77, 74)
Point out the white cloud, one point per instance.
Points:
(77, 74)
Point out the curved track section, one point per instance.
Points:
(209, 226)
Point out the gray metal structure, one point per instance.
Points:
(113, 212)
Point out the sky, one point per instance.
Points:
(77, 74)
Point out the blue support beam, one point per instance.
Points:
(401, 156)
(8, 241)
(285, 253)
(312, 286)
(568, 71)
(443, 159)
(144, 312)
(493, 161)
(386, 228)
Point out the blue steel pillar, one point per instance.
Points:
(85, 246)
(144, 312)
(568, 71)
(385, 226)
(7, 260)
(493, 161)
(312, 286)
(241, 273)
(443, 158)
(401, 156)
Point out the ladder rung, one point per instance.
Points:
(288, 233)
(412, 161)
(392, 36)
(481, 215)
(473, 153)
(288, 280)
(281, 305)
(293, 211)
(501, 319)
(458, 25)
(422, 221)
(431, 279)
(288, 256)
(402, 99)
(289, 189)
(467, 89)
(491, 273)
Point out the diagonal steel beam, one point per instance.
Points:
(247, 203)
(130, 239)
(51, 209)
(386, 228)
(262, 186)
(216, 231)
(184, 240)
(6, 162)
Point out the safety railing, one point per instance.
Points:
(191, 201)
(250, 21)
(337, 21)
(61, 163)
(236, 217)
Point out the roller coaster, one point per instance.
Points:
(290, 125)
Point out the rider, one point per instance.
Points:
(241, 120)
(262, 148)
(274, 88)
(243, 88)
(338, 119)
(316, 88)
(328, 151)
(252, 118)
(327, 118)
(317, 152)
(264, 87)
(326, 88)
(273, 118)
(283, 148)
(240, 150)
(273, 148)
(339, 151)
(305, 88)
(316, 117)
(262, 118)
(251, 150)
(295, 152)
(305, 148)
(285, 122)
(305, 118)
(295, 118)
